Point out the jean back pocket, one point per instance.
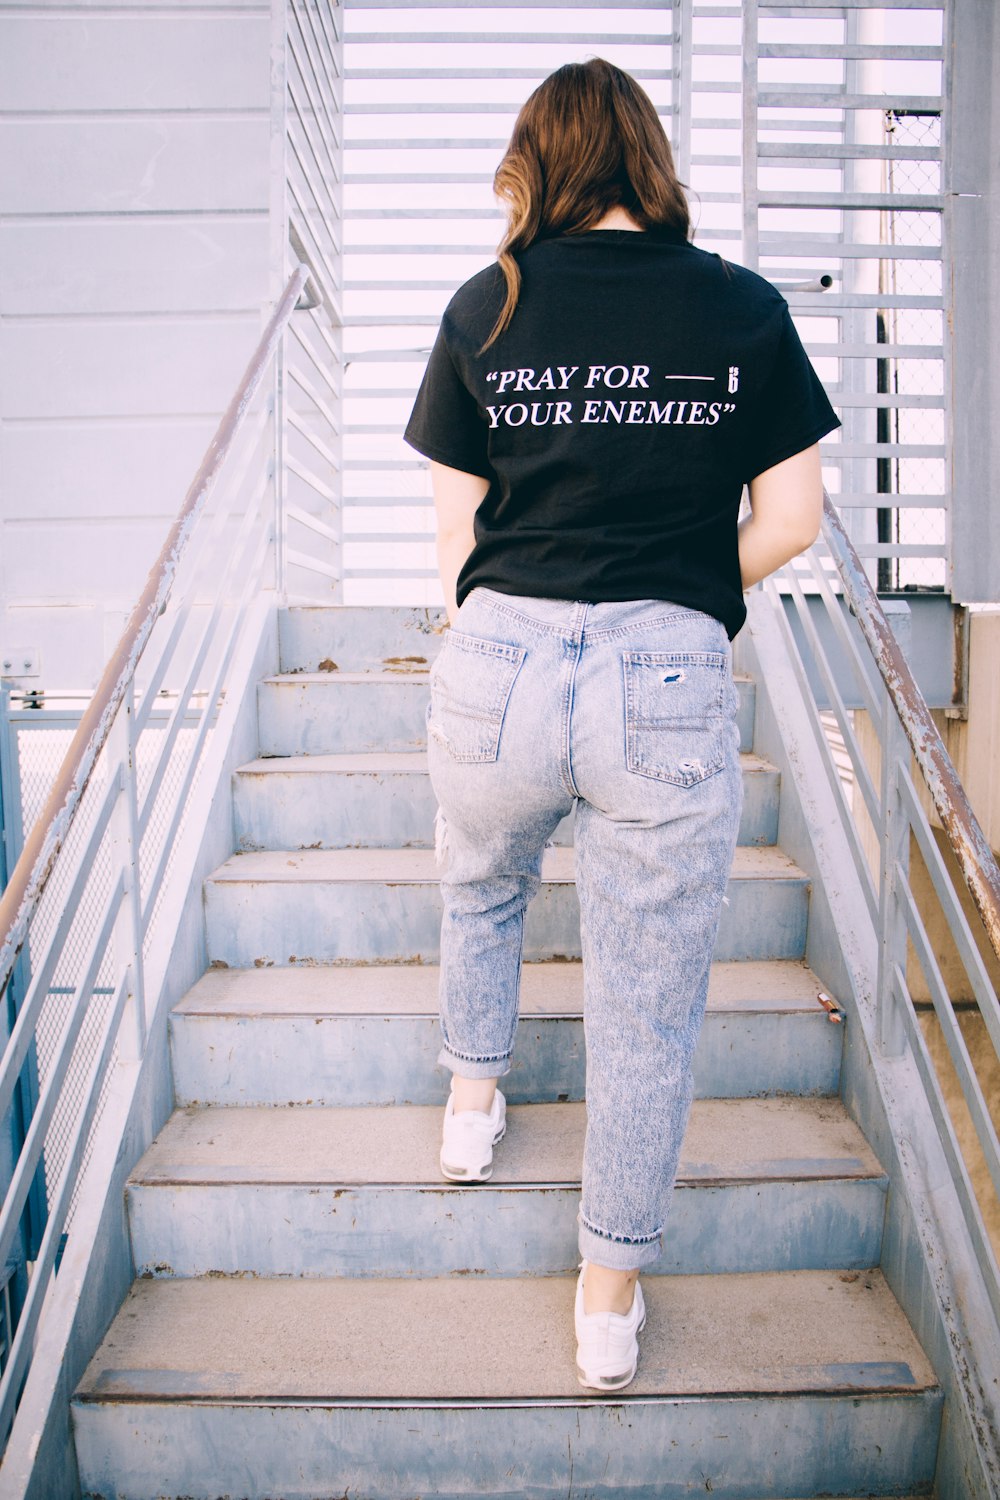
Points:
(675, 714)
(471, 681)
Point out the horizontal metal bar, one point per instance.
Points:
(817, 151)
(818, 300)
(367, 250)
(389, 539)
(377, 465)
(426, 143)
(357, 75)
(901, 549)
(835, 451)
(849, 500)
(390, 320)
(404, 5)
(387, 356)
(875, 351)
(844, 250)
(374, 429)
(390, 572)
(485, 214)
(383, 393)
(374, 179)
(815, 96)
(783, 6)
(511, 38)
(851, 51)
(884, 400)
(376, 502)
(779, 198)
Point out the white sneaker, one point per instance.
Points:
(469, 1138)
(607, 1343)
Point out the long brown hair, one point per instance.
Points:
(587, 140)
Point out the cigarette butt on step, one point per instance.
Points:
(833, 1010)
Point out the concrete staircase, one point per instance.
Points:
(317, 1314)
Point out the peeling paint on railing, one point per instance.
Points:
(965, 834)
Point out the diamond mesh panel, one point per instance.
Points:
(915, 378)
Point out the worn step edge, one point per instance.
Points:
(727, 1140)
(418, 867)
(779, 1332)
(371, 1035)
(547, 989)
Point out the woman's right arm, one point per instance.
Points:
(786, 507)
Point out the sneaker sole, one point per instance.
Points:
(459, 1174)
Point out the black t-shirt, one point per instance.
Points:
(642, 382)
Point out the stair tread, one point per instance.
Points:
(554, 988)
(402, 673)
(321, 1341)
(414, 866)
(727, 1140)
(375, 762)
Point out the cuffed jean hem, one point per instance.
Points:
(474, 1067)
(617, 1255)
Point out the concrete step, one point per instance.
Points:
(358, 638)
(773, 1384)
(336, 711)
(763, 1185)
(369, 1035)
(384, 800)
(332, 905)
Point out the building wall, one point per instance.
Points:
(134, 242)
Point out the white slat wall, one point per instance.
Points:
(134, 203)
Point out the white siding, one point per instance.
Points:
(134, 245)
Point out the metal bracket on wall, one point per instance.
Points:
(959, 707)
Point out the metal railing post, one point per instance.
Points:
(894, 851)
(278, 479)
(123, 837)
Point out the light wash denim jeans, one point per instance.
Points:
(628, 711)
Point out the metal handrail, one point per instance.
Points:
(965, 834)
(30, 875)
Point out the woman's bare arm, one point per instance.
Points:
(786, 507)
(457, 497)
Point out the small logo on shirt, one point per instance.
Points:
(734, 379)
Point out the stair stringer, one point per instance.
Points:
(927, 1256)
(97, 1268)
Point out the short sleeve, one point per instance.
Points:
(793, 410)
(446, 423)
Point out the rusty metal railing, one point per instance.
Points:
(887, 793)
(968, 841)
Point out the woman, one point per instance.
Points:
(592, 408)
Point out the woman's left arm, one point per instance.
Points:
(457, 497)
